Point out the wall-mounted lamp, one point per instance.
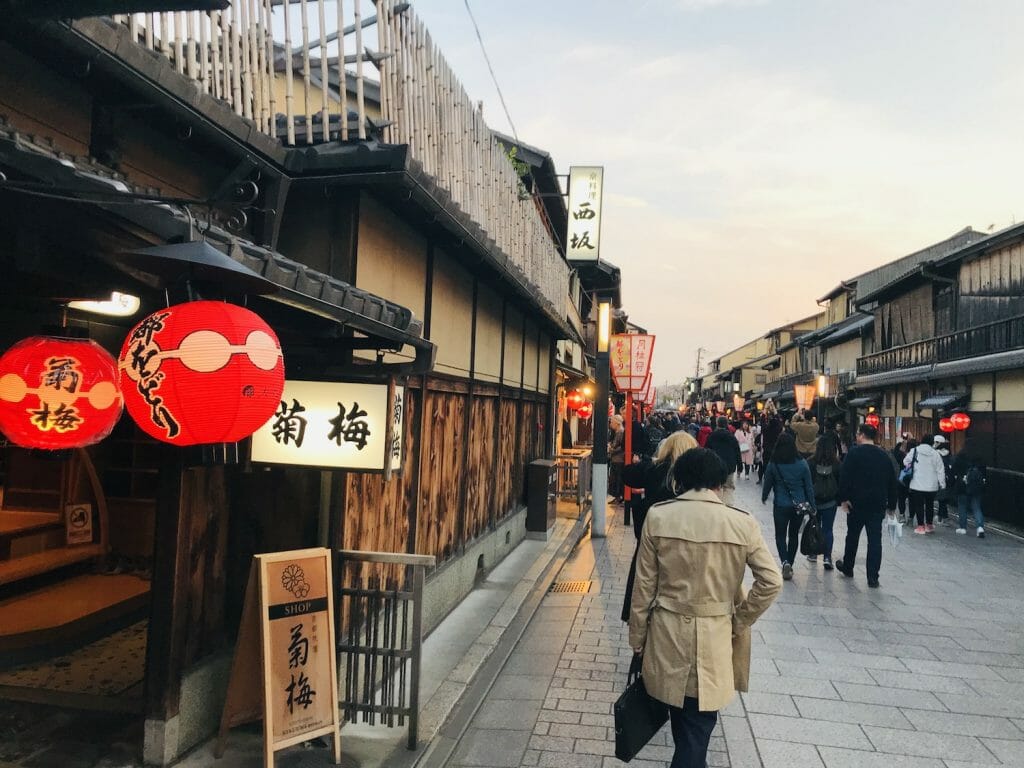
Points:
(118, 305)
(604, 325)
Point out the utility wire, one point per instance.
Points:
(490, 69)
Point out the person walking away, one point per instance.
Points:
(704, 433)
(948, 492)
(655, 478)
(655, 434)
(867, 488)
(769, 436)
(616, 457)
(790, 478)
(928, 479)
(805, 428)
(690, 617)
(745, 438)
(970, 472)
(727, 448)
(825, 471)
(899, 451)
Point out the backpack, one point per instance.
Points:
(974, 481)
(825, 484)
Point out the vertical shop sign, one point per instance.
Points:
(631, 360)
(586, 184)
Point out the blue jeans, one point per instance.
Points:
(962, 502)
(827, 518)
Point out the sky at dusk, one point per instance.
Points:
(757, 151)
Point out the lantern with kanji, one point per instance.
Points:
(872, 420)
(201, 372)
(58, 393)
(960, 421)
(574, 400)
(946, 425)
(585, 411)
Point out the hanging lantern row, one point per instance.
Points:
(960, 421)
(946, 425)
(872, 420)
(575, 399)
(192, 374)
(585, 411)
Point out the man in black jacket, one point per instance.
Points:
(867, 488)
(727, 448)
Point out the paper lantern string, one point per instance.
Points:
(202, 352)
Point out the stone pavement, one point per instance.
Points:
(926, 672)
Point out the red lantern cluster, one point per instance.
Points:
(58, 393)
(201, 372)
(585, 411)
(872, 420)
(575, 399)
(946, 425)
(960, 421)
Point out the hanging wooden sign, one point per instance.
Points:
(287, 631)
(630, 358)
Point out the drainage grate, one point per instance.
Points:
(576, 587)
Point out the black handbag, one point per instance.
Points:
(812, 543)
(638, 715)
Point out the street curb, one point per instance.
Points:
(437, 748)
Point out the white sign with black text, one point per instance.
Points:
(586, 183)
(333, 424)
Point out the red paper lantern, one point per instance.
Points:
(872, 420)
(58, 393)
(946, 425)
(574, 399)
(960, 421)
(585, 411)
(201, 372)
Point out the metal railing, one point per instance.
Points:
(307, 71)
(1000, 336)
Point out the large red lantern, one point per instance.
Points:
(58, 393)
(201, 372)
(946, 425)
(960, 421)
(872, 420)
(585, 411)
(574, 399)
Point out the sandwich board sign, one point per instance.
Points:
(287, 632)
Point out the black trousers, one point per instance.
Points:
(870, 522)
(787, 533)
(691, 732)
(922, 506)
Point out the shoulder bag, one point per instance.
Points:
(638, 715)
(801, 508)
(907, 473)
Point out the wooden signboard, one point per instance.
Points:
(287, 631)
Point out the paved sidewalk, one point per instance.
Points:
(926, 672)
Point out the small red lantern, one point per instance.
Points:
(585, 411)
(58, 393)
(960, 421)
(872, 420)
(946, 425)
(574, 399)
(201, 372)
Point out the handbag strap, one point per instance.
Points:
(635, 668)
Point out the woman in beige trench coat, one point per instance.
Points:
(690, 616)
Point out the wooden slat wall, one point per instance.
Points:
(505, 492)
(204, 503)
(443, 462)
(479, 467)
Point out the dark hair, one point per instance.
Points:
(871, 433)
(785, 450)
(826, 451)
(698, 469)
(928, 440)
(723, 422)
(911, 444)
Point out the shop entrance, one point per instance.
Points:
(76, 546)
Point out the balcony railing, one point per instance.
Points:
(307, 71)
(1000, 336)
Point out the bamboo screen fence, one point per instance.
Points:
(288, 64)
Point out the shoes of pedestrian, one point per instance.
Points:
(842, 569)
(827, 563)
(787, 572)
(812, 558)
(920, 529)
(961, 531)
(981, 532)
(929, 529)
(873, 583)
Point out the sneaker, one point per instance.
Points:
(961, 531)
(873, 583)
(981, 532)
(787, 572)
(920, 529)
(827, 563)
(842, 569)
(929, 529)
(812, 558)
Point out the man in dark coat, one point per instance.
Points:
(867, 488)
(727, 448)
(770, 431)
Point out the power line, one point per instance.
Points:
(490, 69)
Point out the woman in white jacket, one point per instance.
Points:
(929, 477)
